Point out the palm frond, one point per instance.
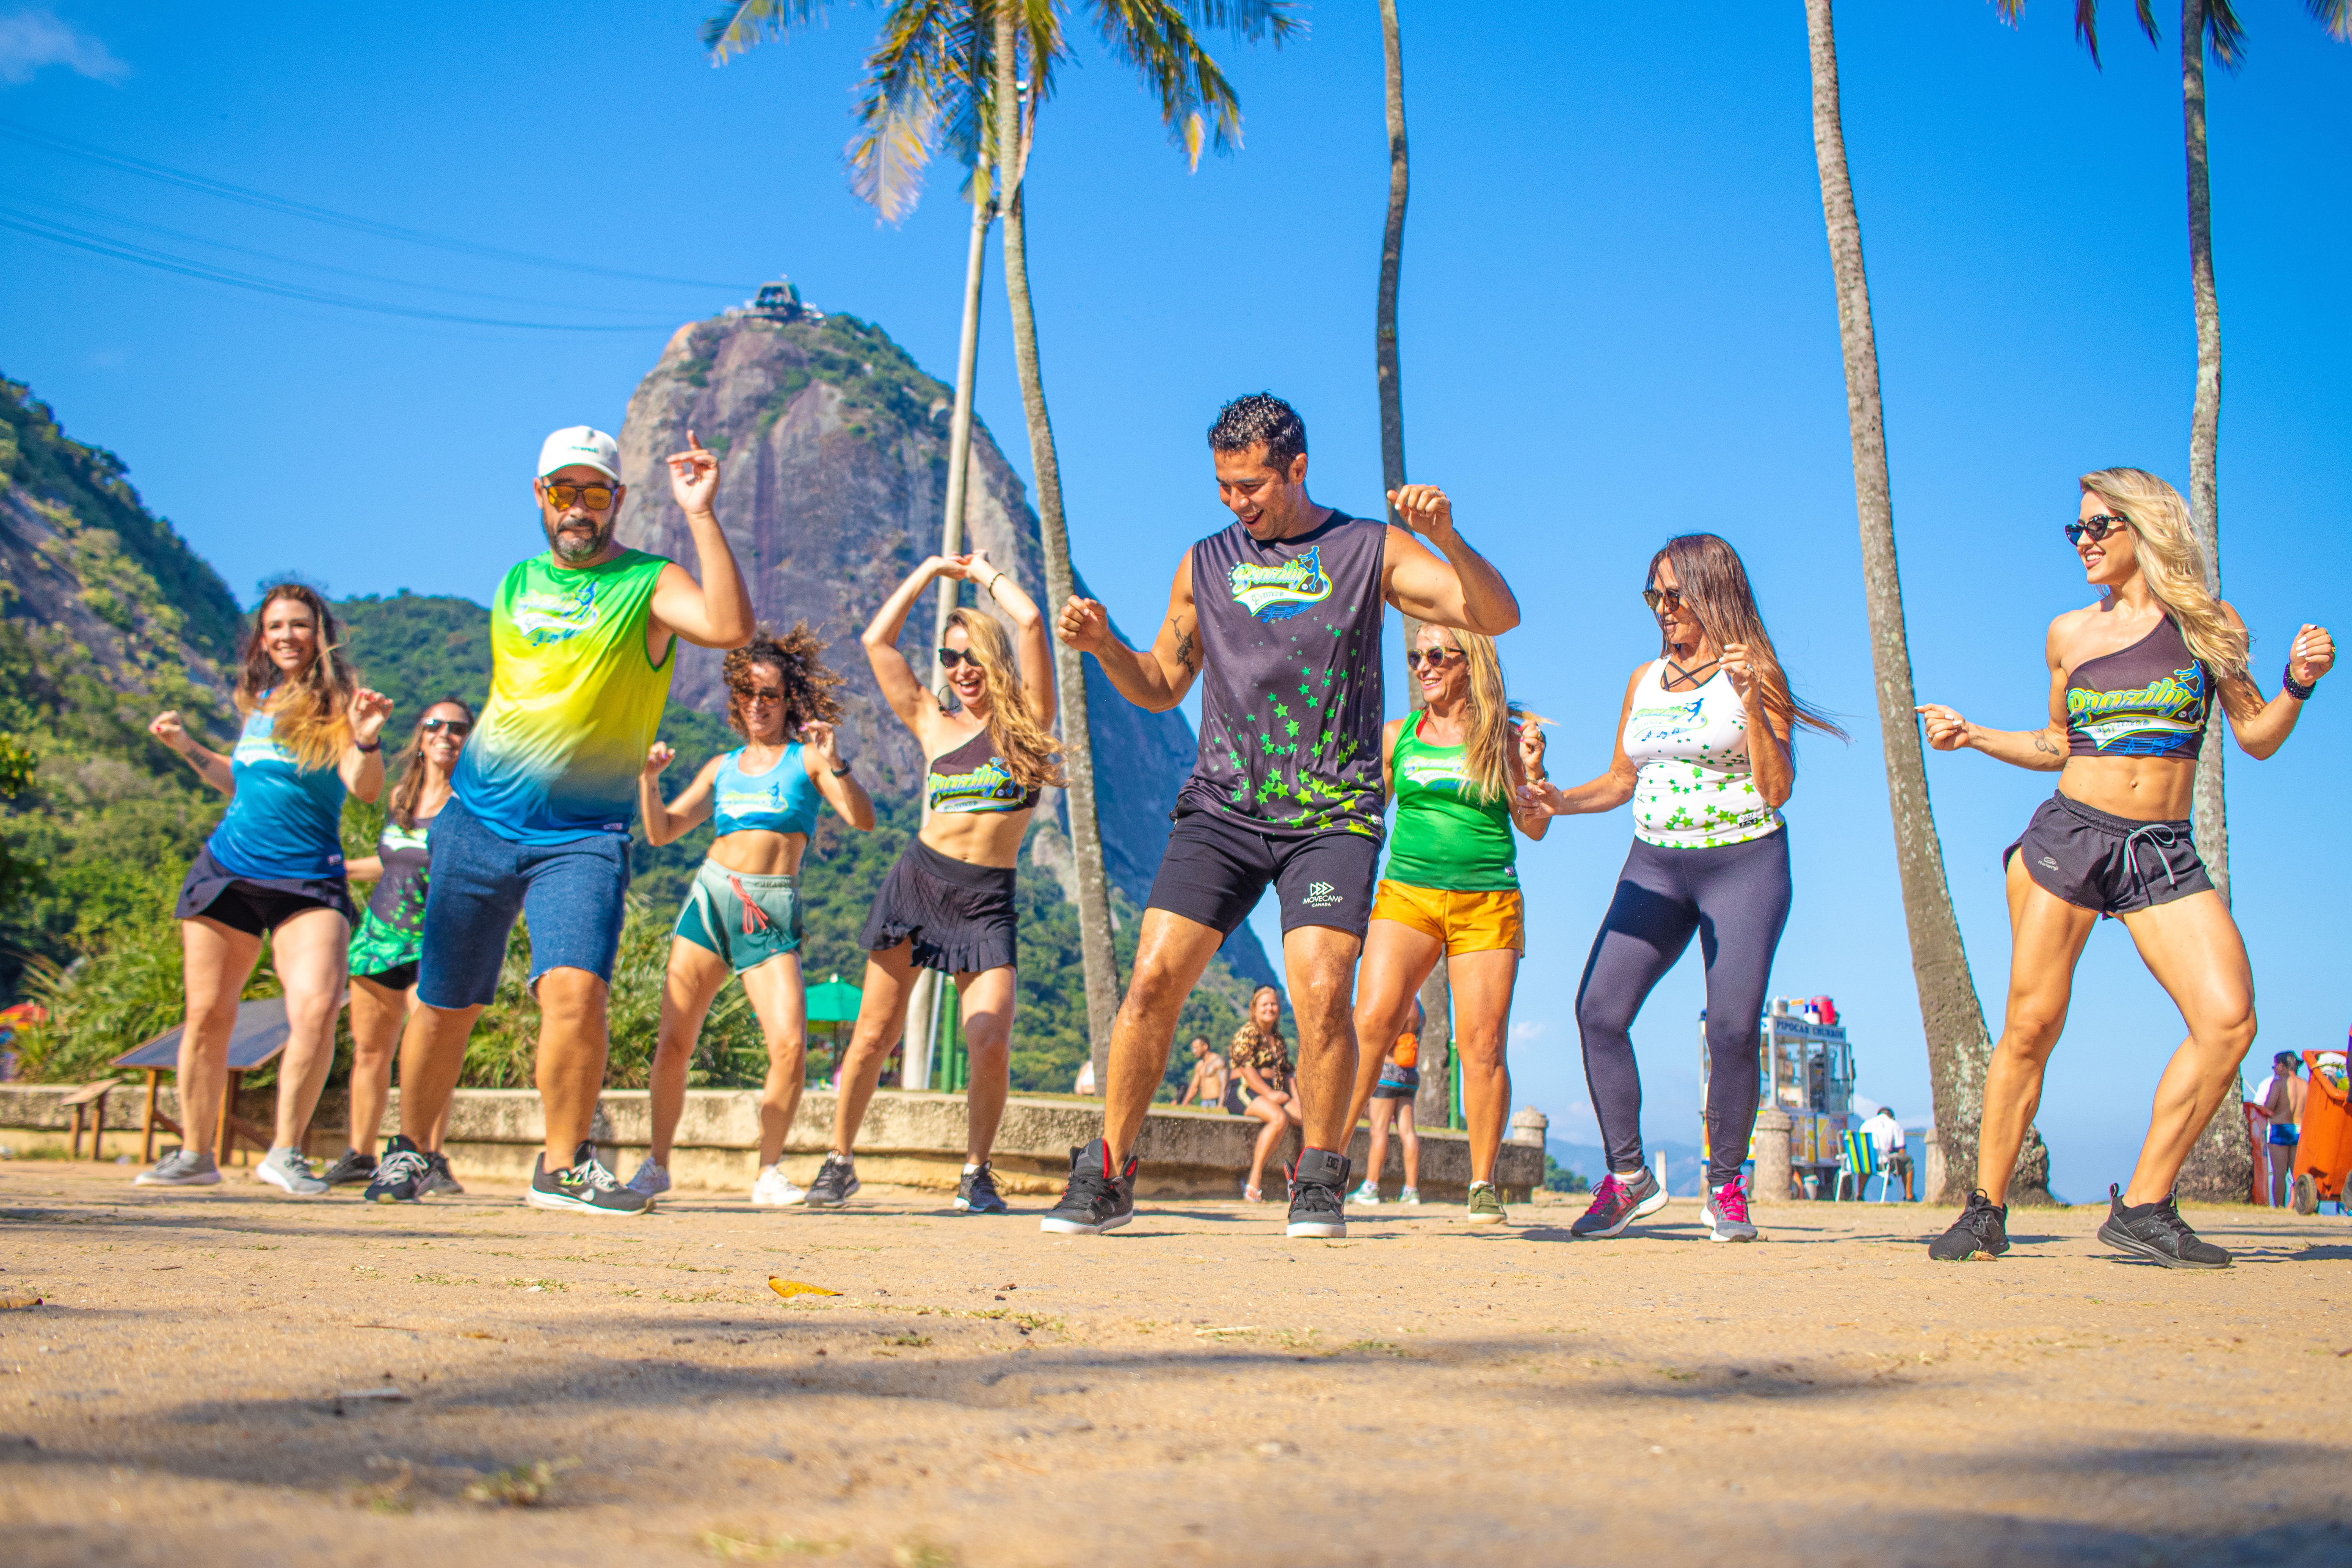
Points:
(909, 73)
(2225, 38)
(738, 27)
(1154, 39)
(2336, 15)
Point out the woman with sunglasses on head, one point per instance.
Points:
(947, 905)
(390, 939)
(273, 868)
(743, 915)
(1452, 886)
(2133, 681)
(1704, 753)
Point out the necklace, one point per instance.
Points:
(1676, 672)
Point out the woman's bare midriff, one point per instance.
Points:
(2144, 789)
(979, 837)
(756, 852)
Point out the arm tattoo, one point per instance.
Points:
(2042, 744)
(1184, 648)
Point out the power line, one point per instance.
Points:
(164, 174)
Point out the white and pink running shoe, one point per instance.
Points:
(1726, 1214)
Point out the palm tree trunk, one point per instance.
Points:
(920, 1010)
(1431, 1103)
(2221, 1166)
(1069, 672)
(1958, 1048)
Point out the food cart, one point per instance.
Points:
(1806, 1068)
(2323, 1158)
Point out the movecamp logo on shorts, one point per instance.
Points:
(1278, 592)
(1321, 896)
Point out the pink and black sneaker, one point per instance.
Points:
(1618, 1204)
(1726, 1214)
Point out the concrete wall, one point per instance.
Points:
(916, 1139)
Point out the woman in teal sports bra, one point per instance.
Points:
(947, 905)
(742, 916)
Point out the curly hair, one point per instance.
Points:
(309, 710)
(1260, 417)
(798, 658)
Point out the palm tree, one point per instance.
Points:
(2220, 1165)
(1958, 1048)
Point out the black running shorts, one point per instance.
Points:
(2111, 864)
(1216, 869)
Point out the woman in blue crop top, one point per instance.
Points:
(273, 868)
(742, 915)
(947, 905)
(2133, 681)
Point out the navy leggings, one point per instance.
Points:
(1736, 897)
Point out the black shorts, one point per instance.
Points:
(255, 906)
(1215, 870)
(1400, 1088)
(399, 977)
(959, 917)
(2110, 864)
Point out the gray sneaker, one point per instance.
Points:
(1619, 1203)
(651, 1179)
(837, 1181)
(287, 1171)
(438, 1177)
(353, 1170)
(181, 1168)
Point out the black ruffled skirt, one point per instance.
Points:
(960, 917)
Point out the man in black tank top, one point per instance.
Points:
(1280, 615)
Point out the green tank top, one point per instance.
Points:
(1442, 838)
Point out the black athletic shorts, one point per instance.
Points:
(1215, 870)
(255, 906)
(399, 977)
(2111, 864)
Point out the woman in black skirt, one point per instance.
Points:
(948, 903)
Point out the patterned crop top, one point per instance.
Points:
(974, 778)
(781, 800)
(2146, 700)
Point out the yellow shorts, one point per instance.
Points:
(1465, 923)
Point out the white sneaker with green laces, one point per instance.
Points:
(1366, 1196)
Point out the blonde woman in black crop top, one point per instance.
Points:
(2133, 681)
(947, 904)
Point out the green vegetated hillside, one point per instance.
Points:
(98, 823)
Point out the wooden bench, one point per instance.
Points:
(83, 1099)
(260, 1035)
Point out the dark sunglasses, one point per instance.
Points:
(595, 498)
(2098, 527)
(1437, 657)
(952, 656)
(759, 694)
(459, 728)
(1654, 597)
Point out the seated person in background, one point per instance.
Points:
(1261, 1064)
(1206, 1087)
(1392, 1100)
(1887, 1133)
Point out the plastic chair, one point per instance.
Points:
(1857, 1162)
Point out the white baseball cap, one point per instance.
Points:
(580, 444)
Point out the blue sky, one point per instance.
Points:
(1617, 324)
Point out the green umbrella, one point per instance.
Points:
(834, 1002)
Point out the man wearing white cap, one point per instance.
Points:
(582, 641)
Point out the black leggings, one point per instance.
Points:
(1736, 896)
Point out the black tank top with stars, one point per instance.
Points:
(1290, 683)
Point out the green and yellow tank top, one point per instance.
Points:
(574, 702)
(1444, 837)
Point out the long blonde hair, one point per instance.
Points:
(2173, 563)
(1027, 748)
(1712, 579)
(411, 769)
(1486, 735)
(310, 711)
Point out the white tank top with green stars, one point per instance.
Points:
(1695, 789)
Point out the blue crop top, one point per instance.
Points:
(284, 821)
(2145, 700)
(781, 800)
(974, 778)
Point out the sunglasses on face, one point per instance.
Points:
(952, 656)
(750, 695)
(2098, 527)
(595, 498)
(1437, 657)
(1671, 598)
(456, 728)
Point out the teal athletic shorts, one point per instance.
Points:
(744, 919)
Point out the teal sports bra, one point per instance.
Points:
(781, 800)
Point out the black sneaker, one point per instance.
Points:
(1095, 1201)
(837, 1182)
(1319, 1188)
(977, 1193)
(2158, 1233)
(350, 1171)
(443, 1180)
(401, 1174)
(584, 1187)
(1981, 1231)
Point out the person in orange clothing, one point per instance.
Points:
(1392, 1100)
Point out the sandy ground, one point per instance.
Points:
(204, 1385)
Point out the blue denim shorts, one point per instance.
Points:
(568, 894)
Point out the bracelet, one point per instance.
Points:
(993, 582)
(2294, 688)
(367, 747)
(841, 772)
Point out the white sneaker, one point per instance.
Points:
(651, 1179)
(773, 1190)
(1410, 1196)
(285, 1168)
(181, 1168)
(1366, 1196)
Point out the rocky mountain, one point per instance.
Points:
(834, 444)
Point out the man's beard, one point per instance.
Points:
(577, 554)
